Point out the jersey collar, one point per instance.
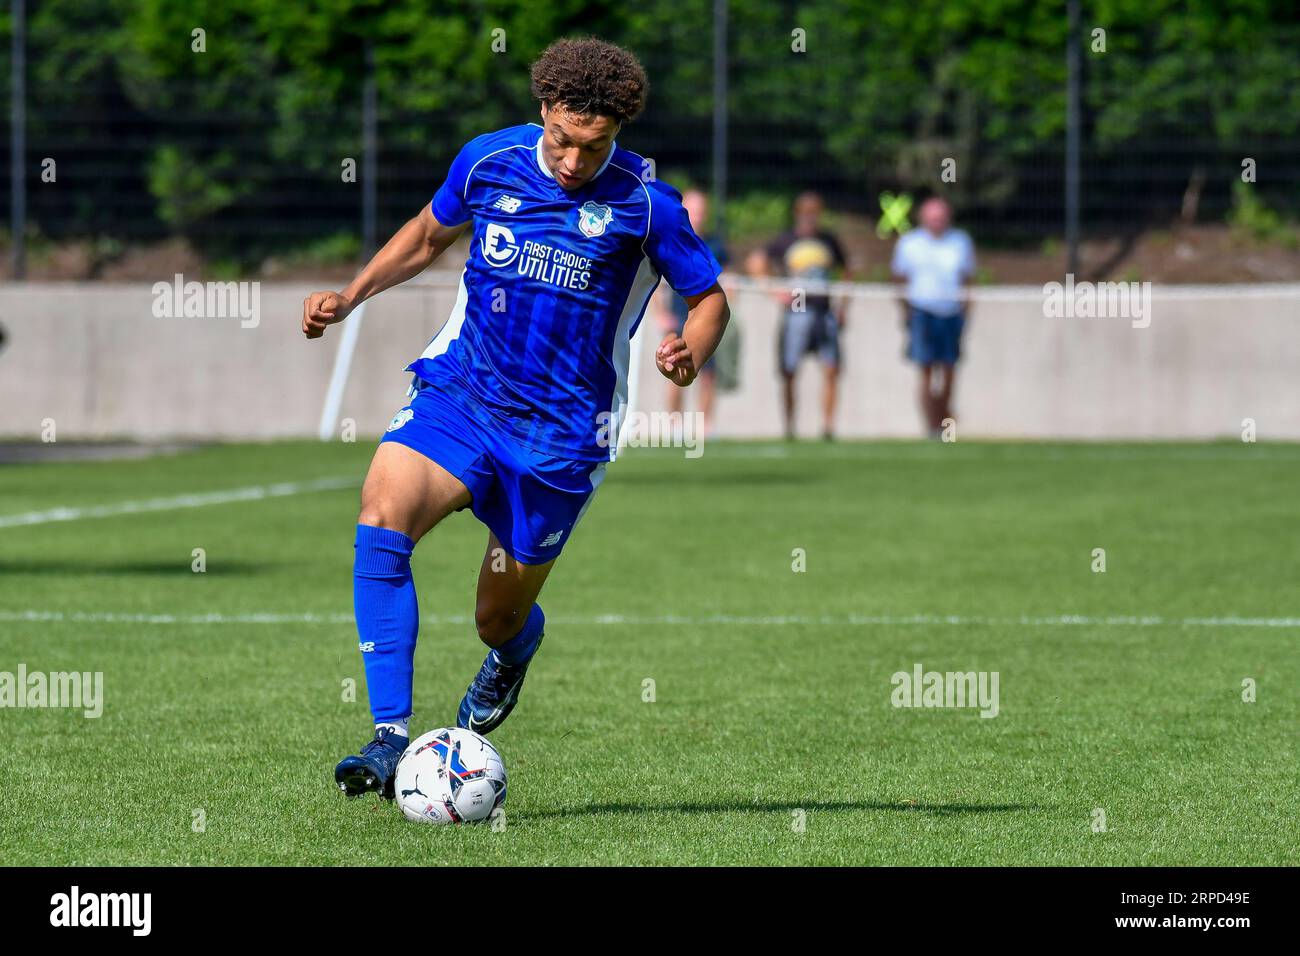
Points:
(541, 162)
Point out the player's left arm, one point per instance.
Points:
(683, 258)
(680, 357)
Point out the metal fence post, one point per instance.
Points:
(1072, 144)
(720, 118)
(18, 138)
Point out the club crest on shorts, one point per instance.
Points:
(400, 419)
(593, 218)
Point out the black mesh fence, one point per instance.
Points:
(251, 176)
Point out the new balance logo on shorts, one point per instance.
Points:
(552, 539)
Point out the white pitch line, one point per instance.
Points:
(197, 500)
(634, 620)
(971, 453)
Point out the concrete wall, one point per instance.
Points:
(94, 358)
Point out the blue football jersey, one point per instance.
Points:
(556, 283)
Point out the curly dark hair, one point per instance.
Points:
(588, 76)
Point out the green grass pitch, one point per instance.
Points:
(771, 738)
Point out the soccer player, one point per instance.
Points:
(516, 404)
(937, 263)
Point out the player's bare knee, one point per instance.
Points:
(378, 513)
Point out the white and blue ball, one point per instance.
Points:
(450, 775)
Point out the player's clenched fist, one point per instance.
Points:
(321, 309)
(675, 361)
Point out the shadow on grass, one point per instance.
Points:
(740, 806)
(175, 567)
(730, 477)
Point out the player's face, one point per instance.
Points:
(574, 146)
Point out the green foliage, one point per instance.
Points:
(1253, 218)
(188, 190)
(758, 214)
(326, 251)
(883, 90)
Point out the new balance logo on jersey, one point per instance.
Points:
(507, 203)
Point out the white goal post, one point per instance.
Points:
(329, 413)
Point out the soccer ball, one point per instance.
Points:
(450, 776)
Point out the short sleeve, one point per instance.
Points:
(679, 255)
(450, 206)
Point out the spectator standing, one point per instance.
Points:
(936, 262)
(808, 253)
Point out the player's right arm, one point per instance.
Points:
(412, 249)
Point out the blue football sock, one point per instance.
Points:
(521, 647)
(388, 618)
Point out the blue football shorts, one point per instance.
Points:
(530, 501)
(935, 339)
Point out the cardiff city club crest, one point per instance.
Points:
(400, 419)
(593, 218)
